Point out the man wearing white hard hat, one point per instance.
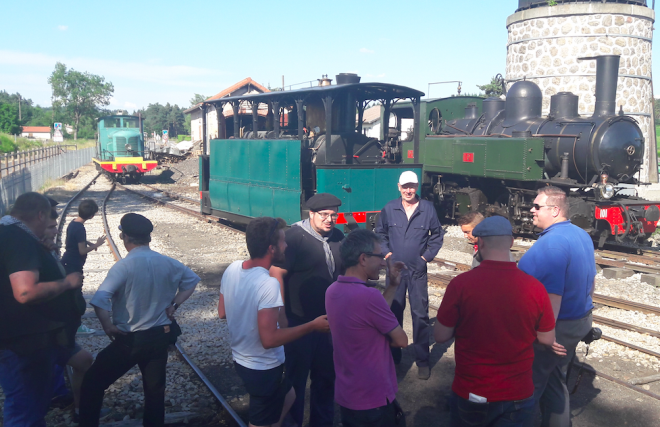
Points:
(411, 232)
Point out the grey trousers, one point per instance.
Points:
(549, 373)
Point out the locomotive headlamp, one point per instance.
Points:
(607, 191)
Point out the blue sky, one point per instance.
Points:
(166, 51)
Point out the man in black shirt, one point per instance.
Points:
(76, 245)
(312, 264)
(34, 308)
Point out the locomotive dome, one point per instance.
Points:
(545, 44)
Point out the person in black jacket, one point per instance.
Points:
(411, 232)
(35, 307)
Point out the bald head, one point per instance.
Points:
(495, 248)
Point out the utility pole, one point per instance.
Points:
(282, 82)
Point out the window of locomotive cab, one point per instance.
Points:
(435, 121)
(112, 123)
(131, 123)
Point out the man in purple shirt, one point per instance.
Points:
(363, 328)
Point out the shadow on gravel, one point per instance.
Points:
(212, 274)
(165, 177)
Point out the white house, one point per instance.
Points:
(371, 122)
(246, 85)
(36, 132)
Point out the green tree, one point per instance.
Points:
(79, 94)
(656, 110)
(9, 122)
(494, 88)
(197, 99)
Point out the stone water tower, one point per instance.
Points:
(545, 44)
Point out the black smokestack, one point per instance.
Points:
(607, 72)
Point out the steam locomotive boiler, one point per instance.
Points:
(501, 156)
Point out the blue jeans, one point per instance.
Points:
(27, 382)
(491, 414)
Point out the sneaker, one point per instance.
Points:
(84, 330)
(423, 372)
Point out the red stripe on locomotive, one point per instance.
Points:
(613, 215)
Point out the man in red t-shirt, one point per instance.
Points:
(495, 312)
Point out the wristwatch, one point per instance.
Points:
(175, 305)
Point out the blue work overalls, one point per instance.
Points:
(409, 240)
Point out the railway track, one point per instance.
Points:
(638, 263)
(442, 280)
(235, 419)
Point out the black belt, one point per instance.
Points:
(151, 336)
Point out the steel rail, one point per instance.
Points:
(202, 217)
(616, 380)
(173, 195)
(189, 361)
(609, 377)
(625, 326)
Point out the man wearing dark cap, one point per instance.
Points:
(494, 346)
(142, 291)
(312, 263)
(411, 232)
(34, 310)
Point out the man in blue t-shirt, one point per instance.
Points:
(563, 260)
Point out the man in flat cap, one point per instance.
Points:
(494, 347)
(142, 291)
(312, 263)
(410, 232)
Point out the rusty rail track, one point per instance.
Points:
(207, 383)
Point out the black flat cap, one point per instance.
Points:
(53, 202)
(136, 225)
(323, 201)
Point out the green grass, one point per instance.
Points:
(657, 137)
(7, 143)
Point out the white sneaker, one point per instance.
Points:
(84, 330)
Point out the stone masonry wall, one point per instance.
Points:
(544, 47)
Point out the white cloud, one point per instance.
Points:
(171, 75)
(365, 50)
(62, 27)
(130, 105)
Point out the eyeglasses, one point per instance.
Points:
(325, 216)
(538, 207)
(381, 256)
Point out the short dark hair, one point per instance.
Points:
(556, 197)
(262, 233)
(473, 217)
(28, 206)
(87, 209)
(141, 240)
(358, 242)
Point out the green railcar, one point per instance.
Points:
(303, 149)
(120, 148)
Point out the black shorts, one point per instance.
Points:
(267, 391)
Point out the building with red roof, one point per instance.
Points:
(37, 132)
(246, 85)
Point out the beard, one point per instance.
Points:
(278, 257)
